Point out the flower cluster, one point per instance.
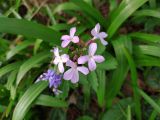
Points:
(53, 78)
(77, 59)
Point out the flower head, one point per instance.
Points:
(53, 78)
(91, 58)
(99, 35)
(59, 60)
(66, 39)
(73, 73)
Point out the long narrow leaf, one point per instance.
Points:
(25, 102)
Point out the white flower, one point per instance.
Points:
(99, 35)
(59, 60)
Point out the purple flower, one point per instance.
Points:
(69, 38)
(99, 35)
(53, 78)
(72, 74)
(59, 60)
(91, 58)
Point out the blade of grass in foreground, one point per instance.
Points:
(29, 29)
(30, 63)
(50, 101)
(134, 83)
(123, 14)
(149, 100)
(25, 102)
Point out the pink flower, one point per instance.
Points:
(91, 58)
(99, 35)
(69, 38)
(72, 74)
(59, 60)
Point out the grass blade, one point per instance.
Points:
(26, 66)
(29, 29)
(123, 14)
(25, 102)
(134, 83)
(50, 101)
(149, 100)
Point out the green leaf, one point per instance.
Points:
(145, 37)
(134, 83)
(26, 66)
(116, 112)
(110, 62)
(144, 60)
(50, 101)
(25, 102)
(122, 14)
(149, 100)
(28, 29)
(147, 50)
(101, 87)
(11, 79)
(65, 6)
(150, 13)
(9, 68)
(92, 77)
(18, 48)
(91, 11)
(120, 73)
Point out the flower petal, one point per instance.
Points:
(97, 27)
(82, 59)
(70, 63)
(72, 32)
(65, 37)
(103, 41)
(83, 70)
(56, 61)
(91, 64)
(64, 58)
(60, 67)
(75, 39)
(94, 33)
(75, 77)
(68, 74)
(103, 35)
(92, 49)
(56, 51)
(98, 58)
(65, 43)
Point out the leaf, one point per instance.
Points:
(65, 6)
(144, 60)
(134, 83)
(119, 74)
(122, 14)
(9, 68)
(110, 62)
(91, 11)
(28, 29)
(116, 112)
(26, 66)
(148, 12)
(149, 100)
(50, 101)
(147, 50)
(11, 79)
(18, 48)
(145, 37)
(92, 77)
(101, 87)
(25, 102)
(85, 118)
